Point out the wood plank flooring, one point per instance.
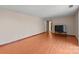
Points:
(43, 44)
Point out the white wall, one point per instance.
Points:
(15, 26)
(68, 21)
(76, 25)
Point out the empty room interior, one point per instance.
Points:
(39, 29)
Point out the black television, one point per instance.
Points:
(59, 28)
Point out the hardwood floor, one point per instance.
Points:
(42, 44)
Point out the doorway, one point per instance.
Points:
(49, 26)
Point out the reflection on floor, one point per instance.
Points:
(43, 44)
